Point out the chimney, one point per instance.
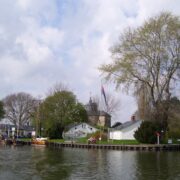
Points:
(133, 118)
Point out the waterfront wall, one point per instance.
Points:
(172, 147)
(145, 147)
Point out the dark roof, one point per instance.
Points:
(103, 113)
(116, 124)
(69, 126)
(4, 126)
(92, 113)
(126, 124)
(75, 124)
(28, 128)
(98, 113)
(92, 109)
(9, 126)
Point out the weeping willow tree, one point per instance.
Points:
(146, 59)
(1, 110)
(143, 102)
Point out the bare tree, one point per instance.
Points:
(19, 108)
(112, 106)
(58, 87)
(149, 56)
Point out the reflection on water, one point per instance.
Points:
(38, 163)
(160, 165)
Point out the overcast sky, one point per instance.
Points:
(47, 41)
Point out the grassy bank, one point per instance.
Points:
(115, 142)
(56, 140)
(85, 140)
(24, 139)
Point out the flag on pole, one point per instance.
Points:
(104, 95)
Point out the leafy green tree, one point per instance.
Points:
(79, 113)
(146, 133)
(148, 58)
(1, 110)
(59, 110)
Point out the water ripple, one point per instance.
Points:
(32, 163)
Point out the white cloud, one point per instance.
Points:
(10, 67)
(24, 4)
(43, 42)
(34, 52)
(52, 36)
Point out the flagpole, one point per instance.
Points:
(105, 101)
(99, 114)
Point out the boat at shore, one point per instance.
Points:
(7, 141)
(39, 141)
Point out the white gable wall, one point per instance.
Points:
(83, 127)
(126, 133)
(81, 130)
(116, 135)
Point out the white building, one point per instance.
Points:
(124, 131)
(79, 130)
(5, 121)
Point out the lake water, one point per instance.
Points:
(36, 163)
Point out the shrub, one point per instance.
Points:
(174, 133)
(97, 135)
(146, 133)
(55, 132)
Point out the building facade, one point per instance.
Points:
(124, 131)
(97, 117)
(79, 130)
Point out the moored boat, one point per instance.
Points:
(39, 141)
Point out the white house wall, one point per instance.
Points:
(81, 130)
(126, 133)
(116, 135)
(83, 127)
